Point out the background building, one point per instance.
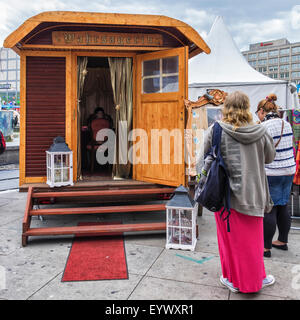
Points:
(9, 76)
(278, 59)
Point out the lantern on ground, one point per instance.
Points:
(59, 164)
(181, 218)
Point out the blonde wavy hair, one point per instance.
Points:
(236, 110)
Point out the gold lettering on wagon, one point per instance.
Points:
(93, 38)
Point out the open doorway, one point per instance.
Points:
(97, 102)
(103, 103)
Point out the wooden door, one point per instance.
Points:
(161, 87)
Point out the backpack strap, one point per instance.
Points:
(216, 138)
(282, 126)
(217, 134)
(216, 143)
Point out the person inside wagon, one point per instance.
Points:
(100, 114)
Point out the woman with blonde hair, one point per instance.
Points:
(245, 148)
(280, 174)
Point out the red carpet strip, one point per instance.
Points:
(96, 258)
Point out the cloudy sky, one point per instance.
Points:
(248, 21)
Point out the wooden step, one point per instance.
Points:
(80, 195)
(113, 192)
(93, 210)
(91, 185)
(95, 229)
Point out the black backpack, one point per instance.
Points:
(2, 143)
(215, 192)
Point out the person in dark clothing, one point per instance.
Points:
(98, 113)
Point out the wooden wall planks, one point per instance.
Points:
(45, 109)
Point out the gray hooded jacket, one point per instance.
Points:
(245, 151)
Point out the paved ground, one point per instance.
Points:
(35, 272)
(9, 177)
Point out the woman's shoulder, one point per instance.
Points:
(277, 122)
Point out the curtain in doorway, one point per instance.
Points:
(81, 74)
(97, 92)
(122, 80)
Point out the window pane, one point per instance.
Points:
(273, 61)
(66, 175)
(174, 217)
(186, 236)
(295, 58)
(12, 64)
(284, 67)
(296, 66)
(11, 54)
(295, 49)
(170, 84)
(262, 69)
(274, 68)
(285, 51)
(262, 54)
(151, 85)
(151, 68)
(12, 75)
(262, 62)
(3, 53)
(273, 53)
(285, 59)
(57, 175)
(295, 74)
(170, 65)
(186, 219)
(3, 76)
(3, 65)
(57, 161)
(66, 160)
(252, 56)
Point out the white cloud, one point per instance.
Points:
(199, 19)
(15, 12)
(295, 17)
(244, 30)
(3, 15)
(245, 33)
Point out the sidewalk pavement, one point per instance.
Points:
(14, 143)
(9, 177)
(155, 273)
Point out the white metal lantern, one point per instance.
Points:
(181, 217)
(59, 164)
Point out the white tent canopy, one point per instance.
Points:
(225, 68)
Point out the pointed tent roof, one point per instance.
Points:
(225, 63)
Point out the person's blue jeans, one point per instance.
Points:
(280, 189)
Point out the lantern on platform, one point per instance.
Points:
(59, 164)
(181, 213)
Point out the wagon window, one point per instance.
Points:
(151, 68)
(160, 75)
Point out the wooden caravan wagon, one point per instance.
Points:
(133, 66)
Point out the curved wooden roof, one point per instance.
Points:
(198, 44)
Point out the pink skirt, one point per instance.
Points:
(241, 250)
